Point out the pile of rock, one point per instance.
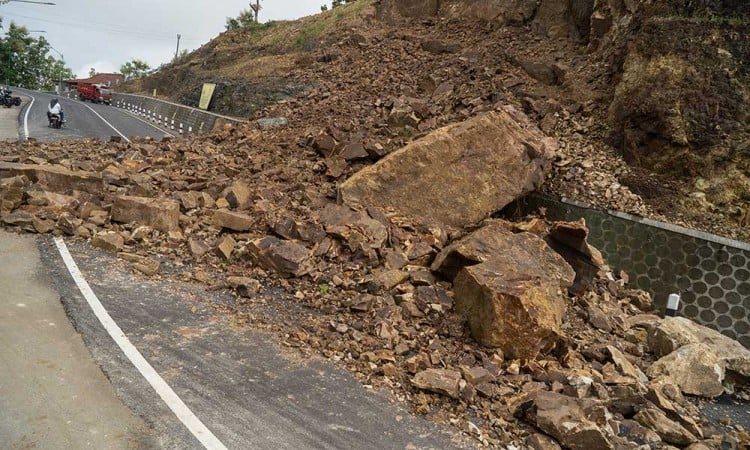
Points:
(554, 339)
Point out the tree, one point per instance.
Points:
(134, 69)
(92, 72)
(25, 61)
(246, 19)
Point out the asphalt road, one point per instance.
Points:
(83, 120)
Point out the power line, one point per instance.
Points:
(105, 28)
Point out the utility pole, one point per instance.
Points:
(177, 52)
(255, 8)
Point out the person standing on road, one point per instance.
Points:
(55, 108)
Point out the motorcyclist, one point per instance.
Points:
(55, 108)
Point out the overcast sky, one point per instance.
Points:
(105, 34)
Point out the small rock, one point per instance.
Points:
(442, 381)
(233, 220)
(245, 287)
(109, 241)
(225, 246)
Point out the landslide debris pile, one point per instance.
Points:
(648, 99)
(516, 333)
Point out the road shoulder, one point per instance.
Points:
(52, 393)
(9, 121)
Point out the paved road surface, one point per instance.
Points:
(84, 120)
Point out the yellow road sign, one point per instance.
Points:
(206, 94)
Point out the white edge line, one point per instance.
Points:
(147, 123)
(26, 118)
(173, 401)
(105, 121)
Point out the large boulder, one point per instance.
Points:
(460, 174)
(697, 358)
(162, 215)
(695, 368)
(579, 424)
(510, 290)
(54, 178)
(671, 333)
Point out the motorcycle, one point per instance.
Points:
(54, 121)
(7, 100)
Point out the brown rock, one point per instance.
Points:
(598, 319)
(356, 228)
(625, 366)
(512, 299)
(11, 193)
(638, 434)
(695, 368)
(477, 375)
(225, 246)
(547, 73)
(198, 248)
(354, 151)
(671, 333)
(245, 287)
(475, 248)
(541, 442)
(668, 430)
(238, 195)
(284, 257)
(325, 145)
(387, 280)
(162, 215)
(569, 420)
(54, 178)
(109, 241)
(147, 266)
(231, 220)
(570, 239)
(68, 224)
(189, 200)
(465, 191)
(442, 381)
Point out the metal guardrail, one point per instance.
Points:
(172, 116)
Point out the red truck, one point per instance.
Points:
(94, 93)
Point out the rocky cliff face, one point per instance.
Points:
(675, 79)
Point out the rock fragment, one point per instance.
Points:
(442, 381)
(162, 215)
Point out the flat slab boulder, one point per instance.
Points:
(514, 297)
(160, 214)
(54, 178)
(460, 174)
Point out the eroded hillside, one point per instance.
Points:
(649, 100)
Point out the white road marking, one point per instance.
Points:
(173, 401)
(26, 118)
(146, 122)
(105, 121)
